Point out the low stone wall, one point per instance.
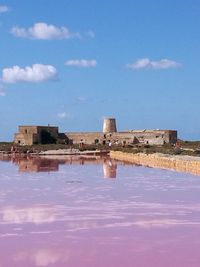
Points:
(179, 163)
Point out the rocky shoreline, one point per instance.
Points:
(189, 164)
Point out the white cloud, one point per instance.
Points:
(83, 63)
(3, 9)
(63, 115)
(146, 63)
(34, 73)
(91, 33)
(44, 31)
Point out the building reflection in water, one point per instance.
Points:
(110, 169)
(38, 165)
(51, 163)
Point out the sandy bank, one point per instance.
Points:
(72, 152)
(173, 162)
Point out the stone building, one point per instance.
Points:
(151, 137)
(110, 135)
(29, 135)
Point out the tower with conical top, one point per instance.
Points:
(109, 125)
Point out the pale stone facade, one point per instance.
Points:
(151, 137)
(29, 135)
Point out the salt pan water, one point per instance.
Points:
(88, 212)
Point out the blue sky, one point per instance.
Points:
(71, 63)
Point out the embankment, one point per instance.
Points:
(173, 162)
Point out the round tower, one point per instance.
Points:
(109, 125)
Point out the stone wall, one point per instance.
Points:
(25, 139)
(85, 137)
(152, 137)
(178, 163)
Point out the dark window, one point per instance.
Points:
(96, 141)
(26, 131)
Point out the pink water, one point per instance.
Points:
(78, 213)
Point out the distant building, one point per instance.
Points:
(110, 135)
(151, 137)
(29, 135)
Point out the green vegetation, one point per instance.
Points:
(185, 148)
(5, 146)
(148, 149)
(190, 144)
